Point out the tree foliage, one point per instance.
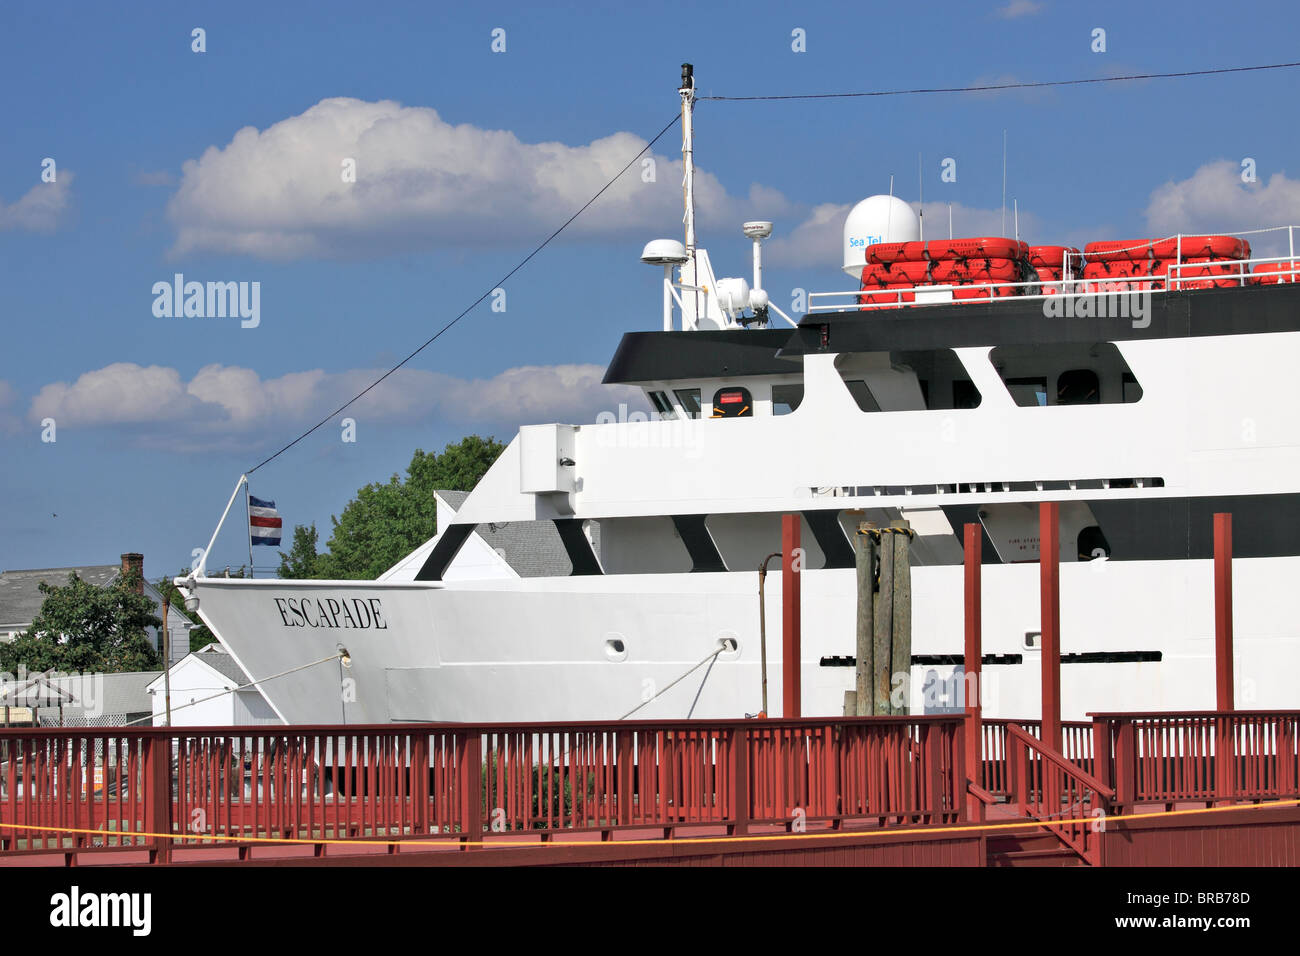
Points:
(86, 628)
(385, 522)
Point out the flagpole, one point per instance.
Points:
(248, 510)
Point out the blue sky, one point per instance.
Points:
(466, 158)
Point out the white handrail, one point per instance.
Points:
(201, 570)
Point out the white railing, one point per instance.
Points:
(1172, 280)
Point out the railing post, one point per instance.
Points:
(626, 776)
(1101, 755)
(739, 743)
(972, 668)
(1049, 556)
(1224, 760)
(158, 794)
(469, 772)
(419, 786)
(963, 803)
(791, 618)
(1125, 765)
(1223, 670)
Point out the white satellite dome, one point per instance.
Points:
(876, 219)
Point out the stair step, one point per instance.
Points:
(1035, 858)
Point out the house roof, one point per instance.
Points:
(20, 593)
(533, 549)
(216, 657)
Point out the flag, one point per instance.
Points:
(263, 522)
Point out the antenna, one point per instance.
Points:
(1015, 204)
(687, 92)
(949, 220)
(920, 196)
(889, 216)
(1004, 182)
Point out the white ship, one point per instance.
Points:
(596, 564)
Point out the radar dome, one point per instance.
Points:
(876, 219)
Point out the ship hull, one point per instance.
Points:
(1136, 635)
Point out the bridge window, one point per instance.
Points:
(1028, 392)
(930, 379)
(732, 403)
(786, 398)
(662, 405)
(690, 399)
(1084, 373)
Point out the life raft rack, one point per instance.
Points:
(986, 267)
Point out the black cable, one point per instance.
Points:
(500, 282)
(1008, 86)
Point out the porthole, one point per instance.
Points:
(615, 648)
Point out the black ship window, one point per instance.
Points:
(1132, 390)
(929, 379)
(862, 395)
(965, 394)
(662, 405)
(690, 399)
(1093, 544)
(732, 403)
(1028, 392)
(1084, 373)
(1078, 386)
(786, 398)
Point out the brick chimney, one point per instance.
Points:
(134, 563)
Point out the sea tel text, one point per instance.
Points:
(358, 613)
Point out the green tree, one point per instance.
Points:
(302, 561)
(387, 521)
(82, 627)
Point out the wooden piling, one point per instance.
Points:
(864, 546)
(884, 627)
(901, 632)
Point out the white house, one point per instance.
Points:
(21, 599)
(208, 689)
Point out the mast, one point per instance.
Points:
(687, 93)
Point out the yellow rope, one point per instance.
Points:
(821, 835)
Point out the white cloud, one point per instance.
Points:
(1214, 199)
(42, 208)
(229, 402)
(280, 192)
(1019, 8)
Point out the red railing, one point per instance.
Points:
(460, 782)
(1077, 746)
(1045, 785)
(1209, 757)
